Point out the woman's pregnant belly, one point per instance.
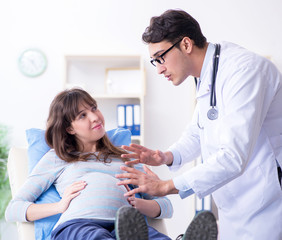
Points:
(100, 199)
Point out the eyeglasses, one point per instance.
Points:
(160, 59)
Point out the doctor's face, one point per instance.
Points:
(172, 64)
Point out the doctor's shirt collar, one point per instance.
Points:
(208, 58)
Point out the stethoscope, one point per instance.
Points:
(212, 113)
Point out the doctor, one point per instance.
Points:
(236, 129)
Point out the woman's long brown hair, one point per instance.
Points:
(63, 110)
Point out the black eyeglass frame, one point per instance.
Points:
(160, 59)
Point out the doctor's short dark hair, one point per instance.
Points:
(172, 26)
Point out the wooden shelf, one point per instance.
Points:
(90, 73)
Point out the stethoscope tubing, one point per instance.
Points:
(215, 68)
(212, 113)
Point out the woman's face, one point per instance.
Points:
(88, 126)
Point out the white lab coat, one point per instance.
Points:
(240, 148)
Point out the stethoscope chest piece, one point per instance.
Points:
(212, 114)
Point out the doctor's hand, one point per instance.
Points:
(147, 207)
(145, 155)
(147, 182)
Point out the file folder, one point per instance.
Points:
(121, 116)
(199, 204)
(136, 120)
(129, 117)
(207, 203)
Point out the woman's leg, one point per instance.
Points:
(156, 235)
(86, 229)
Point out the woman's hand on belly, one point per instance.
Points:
(70, 193)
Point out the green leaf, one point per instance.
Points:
(6, 196)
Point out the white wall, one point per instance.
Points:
(115, 27)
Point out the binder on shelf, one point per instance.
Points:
(203, 204)
(129, 117)
(207, 203)
(136, 120)
(121, 116)
(199, 204)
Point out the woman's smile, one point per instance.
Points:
(98, 126)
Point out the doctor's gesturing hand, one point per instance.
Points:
(147, 182)
(147, 156)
